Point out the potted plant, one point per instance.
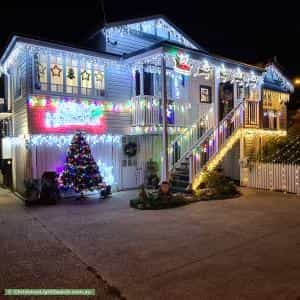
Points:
(152, 179)
(32, 191)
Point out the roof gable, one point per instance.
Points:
(157, 26)
(275, 79)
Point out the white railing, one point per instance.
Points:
(274, 177)
(252, 114)
(147, 111)
(211, 148)
(179, 148)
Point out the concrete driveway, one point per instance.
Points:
(243, 248)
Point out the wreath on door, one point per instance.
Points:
(130, 149)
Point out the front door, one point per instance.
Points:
(226, 99)
(130, 176)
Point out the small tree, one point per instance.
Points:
(81, 172)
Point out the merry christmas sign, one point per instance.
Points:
(59, 115)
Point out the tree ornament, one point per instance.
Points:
(71, 73)
(56, 70)
(99, 76)
(85, 75)
(41, 69)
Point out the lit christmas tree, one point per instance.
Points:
(81, 172)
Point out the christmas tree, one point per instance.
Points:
(81, 172)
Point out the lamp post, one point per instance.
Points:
(297, 81)
(165, 164)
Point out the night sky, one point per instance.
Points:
(251, 31)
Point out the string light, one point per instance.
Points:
(157, 27)
(106, 172)
(64, 140)
(217, 158)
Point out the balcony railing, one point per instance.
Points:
(147, 111)
(252, 114)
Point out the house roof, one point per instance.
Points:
(55, 45)
(154, 17)
(196, 54)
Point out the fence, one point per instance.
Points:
(274, 176)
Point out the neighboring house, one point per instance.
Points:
(218, 109)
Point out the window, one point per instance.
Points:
(137, 83)
(169, 82)
(71, 76)
(179, 86)
(253, 93)
(41, 72)
(99, 81)
(56, 74)
(148, 84)
(205, 94)
(239, 92)
(86, 79)
(157, 85)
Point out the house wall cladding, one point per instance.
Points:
(231, 164)
(201, 109)
(125, 43)
(47, 157)
(112, 122)
(118, 83)
(19, 107)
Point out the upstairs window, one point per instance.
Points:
(99, 81)
(56, 73)
(251, 93)
(86, 79)
(148, 84)
(240, 92)
(170, 85)
(137, 83)
(71, 76)
(41, 72)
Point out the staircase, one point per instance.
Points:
(199, 148)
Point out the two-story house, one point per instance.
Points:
(144, 80)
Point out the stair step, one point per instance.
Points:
(177, 189)
(179, 183)
(182, 170)
(180, 175)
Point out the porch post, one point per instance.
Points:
(165, 164)
(217, 105)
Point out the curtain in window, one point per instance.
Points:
(99, 82)
(137, 83)
(148, 84)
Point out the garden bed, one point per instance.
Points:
(154, 201)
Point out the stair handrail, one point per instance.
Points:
(206, 134)
(237, 124)
(187, 138)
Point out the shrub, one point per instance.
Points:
(216, 185)
(158, 201)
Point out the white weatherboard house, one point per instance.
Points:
(143, 76)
